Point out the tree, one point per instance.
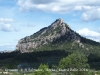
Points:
(42, 70)
(74, 61)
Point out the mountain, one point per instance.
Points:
(57, 36)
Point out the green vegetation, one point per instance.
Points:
(42, 70)
(11, 60)
(76, 61)
(52, 58)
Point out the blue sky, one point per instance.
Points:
(20, 18)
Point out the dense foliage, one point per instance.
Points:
(42, 70)
(76, 61)
(13, 59)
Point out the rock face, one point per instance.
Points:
(47, 35)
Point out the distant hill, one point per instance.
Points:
(57, 36)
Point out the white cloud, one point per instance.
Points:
(63, 6)
(91, 15)
(6, 26)
(90, 34)
(6, 20)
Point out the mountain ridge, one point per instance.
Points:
(57, 32)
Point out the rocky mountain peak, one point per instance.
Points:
(59, 23)
(57, 30)
(60, 20)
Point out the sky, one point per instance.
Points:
(21, 18)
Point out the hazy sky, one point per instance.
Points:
(20, 18)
